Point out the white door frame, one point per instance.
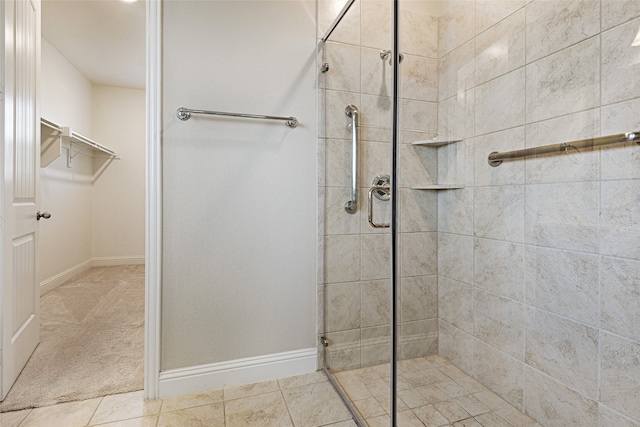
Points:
(153, 202)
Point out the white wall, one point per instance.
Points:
(65, 238)
(118, 193)
(96, 218)
(239, 195)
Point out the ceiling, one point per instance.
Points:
(103, 39)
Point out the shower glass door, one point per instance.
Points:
(517, 280)
(356, 74)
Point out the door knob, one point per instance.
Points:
(45, 215)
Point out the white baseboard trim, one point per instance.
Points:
(109, 261)
(53, 282)
(214, 376)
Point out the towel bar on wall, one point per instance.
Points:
(185, 114)
(496, 158)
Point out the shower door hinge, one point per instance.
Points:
(324, 342)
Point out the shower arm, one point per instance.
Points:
(352, 112)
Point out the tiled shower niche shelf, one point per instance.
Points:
(437, 141)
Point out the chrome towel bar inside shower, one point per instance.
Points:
(185, 114)
(496, 158)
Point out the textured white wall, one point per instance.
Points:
(65, 238)
(239, 195)
(118, 194)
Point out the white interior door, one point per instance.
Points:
(20, 294)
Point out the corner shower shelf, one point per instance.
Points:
(435, 142)
(55, 137)
(437, 187)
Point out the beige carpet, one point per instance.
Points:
(92, 340)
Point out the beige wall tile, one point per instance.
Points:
(490, 12)
(619, 224)
(454, 252)
(501, 373)
(418, 33)
(418, 254)
(620, 293)
(418, 298)
(456, 72)
(547, 28)
(500, 323)
(455, 211)
(501, 48)
(342, 258)
(554, 405)
(563, 216)
(343, 306)
(499, 102)
(563, 282)
(615, 12)
(564, 349)
(499, 212)
(499, 267)
(620, 81)
(565, 82)
(344, 67)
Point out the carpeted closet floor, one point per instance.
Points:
(92, 340)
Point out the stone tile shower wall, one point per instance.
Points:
(539, 259)
(354, 273)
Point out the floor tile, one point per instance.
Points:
(200, 416)
(472, 405)
(430, 416)
(492, 419)
(264, 410)
(150, 421)
(118, 407)
(176, 403)
(369, 408)
(300, 380)
(72, 414)
(315, 405)
(12, 419)
(250, 390)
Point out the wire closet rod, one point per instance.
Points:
(185, 113)
(496, 158)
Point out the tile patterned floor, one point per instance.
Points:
(432, 392)
(306, 400)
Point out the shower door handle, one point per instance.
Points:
(352, 205)
(382, 191)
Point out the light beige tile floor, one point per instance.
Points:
(432, 393)
(306, 400)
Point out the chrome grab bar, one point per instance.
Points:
(382, 192)
(496, 158)
(352, 205)
(184, 114)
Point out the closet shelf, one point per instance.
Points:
(437, 187)
(52, 137)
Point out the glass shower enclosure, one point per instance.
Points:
(478, 198)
